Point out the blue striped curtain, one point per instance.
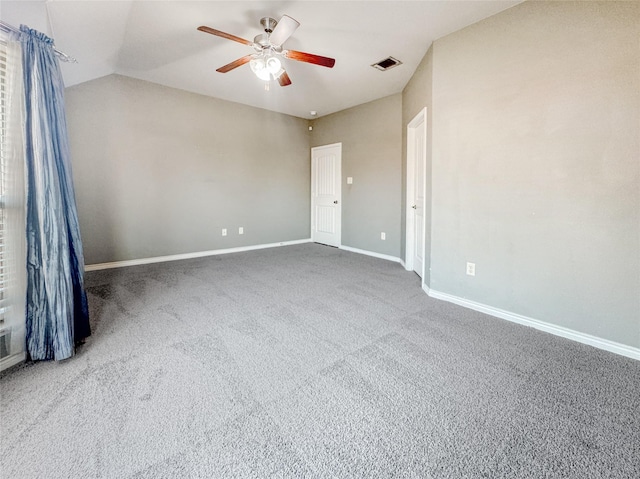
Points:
(57, 316)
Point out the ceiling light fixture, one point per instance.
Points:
(265, 66)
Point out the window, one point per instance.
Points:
(12, 207)
(5, 337)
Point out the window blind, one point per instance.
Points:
(12, 206)
(3, 173)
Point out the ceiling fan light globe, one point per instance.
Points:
(273, 65)
(257, 65)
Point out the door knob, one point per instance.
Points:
(335, 202)
(414, 207)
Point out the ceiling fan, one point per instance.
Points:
(268, 47)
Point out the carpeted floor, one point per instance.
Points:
(307, 361)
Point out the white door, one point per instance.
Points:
(416, 163)
(326, 210)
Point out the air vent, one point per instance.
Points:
(386, 64)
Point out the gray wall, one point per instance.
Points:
(416, 96)
(536, 165)
(533, 121)
(160, 171)
(371, 139)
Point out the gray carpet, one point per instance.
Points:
(307, 361)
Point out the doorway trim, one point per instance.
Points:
(419, 121)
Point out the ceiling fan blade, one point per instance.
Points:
(284, 79)
(235, 64)
(309, 58)
(284, 29)
(228, 36)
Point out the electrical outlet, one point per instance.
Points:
(383, 236)
(471, 269)
(240, 230)
(224, 231)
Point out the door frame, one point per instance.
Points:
(338, 189)
(419, 121)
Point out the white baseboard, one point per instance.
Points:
(611, 346)
(371, 253)
(584, 338)
(198, 254)
(7, 362)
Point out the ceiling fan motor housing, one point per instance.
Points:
(261, 41)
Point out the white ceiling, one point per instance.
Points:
(157, 41)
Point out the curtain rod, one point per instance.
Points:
(62, 56)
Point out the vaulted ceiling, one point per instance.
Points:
(157, 41)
